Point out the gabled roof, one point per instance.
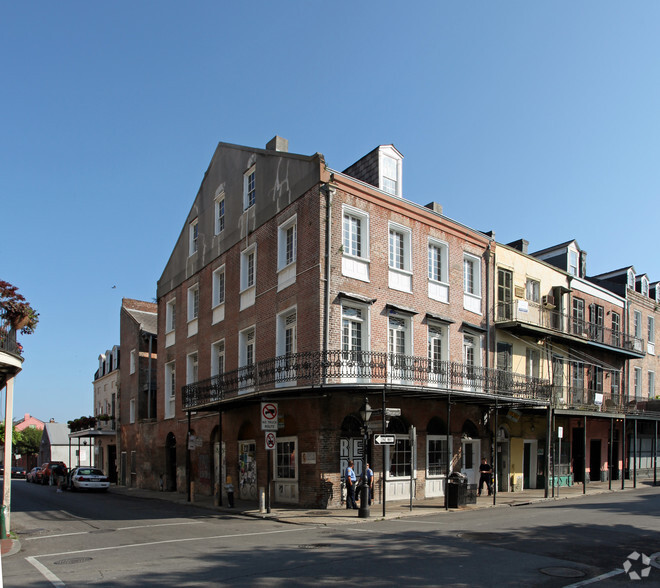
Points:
(148, 321)
(617, 272)
(56, 433)
(557, 247)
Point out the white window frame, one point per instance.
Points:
(645, 286)
(353, 362)
(284, 256)
(192, 367)
(193, 303)
(355, 260)
(533, 290)
(472, 291)
(434, 438)
(131, 411)
(572, 263)
(247, 354)
(286, 344)
(193, 237)
(133, 361)
(399, 246)
(472, 341)
(248, 275)
(637, 324)
(637, 383)
(170, 315)
(219, 286)
(250, 187)
(170, 390)
(400, 360)
(651, 384)
(385, 181)
(219, 213)
(650, 330)
(631, 279)
(438, 367)
(276, 453)
(218, 365)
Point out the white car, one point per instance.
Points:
(88, 478)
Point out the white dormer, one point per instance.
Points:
(390, 166)
(645, 286)
(631, 278)
(101, 364)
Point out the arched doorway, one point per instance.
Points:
(436, 457)
(247, 462)
(170, 463)
(399, 458)
(470, 451)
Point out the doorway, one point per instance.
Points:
(529, 464)
(112, 463)
(594, 460)
(578, 454)
(247, 470)
(502, 460)
(471, 448)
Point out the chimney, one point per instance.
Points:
(278, 143)
(583, 264)
(435, 207)
(520, 245)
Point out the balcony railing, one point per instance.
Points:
(531, 313)
(587, 399)
(8, 341)
(362, 367)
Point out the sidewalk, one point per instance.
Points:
(393, 510)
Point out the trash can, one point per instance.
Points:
(456, 490)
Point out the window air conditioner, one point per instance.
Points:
(548, 300)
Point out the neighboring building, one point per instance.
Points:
(28, 421)
(137, 328)
(106, 404)
(56, 446)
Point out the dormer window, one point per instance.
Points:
(194, 236)
(645, 286)
(572, 262)
(631, 279)
(250, 188)
(390, 166)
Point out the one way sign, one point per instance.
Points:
(384, 439)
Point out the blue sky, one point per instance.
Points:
(534, 119)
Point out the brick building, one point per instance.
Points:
(296, 284)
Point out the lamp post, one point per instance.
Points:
(365, 413)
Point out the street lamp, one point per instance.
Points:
(365, 413)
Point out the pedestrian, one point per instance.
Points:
(369, 476)
(486, 473)
(350, 485)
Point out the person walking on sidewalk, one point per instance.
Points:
(486, 473)
(350, 485)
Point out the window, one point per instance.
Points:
(170, 389)
(645, 286)
(438, 354)
(220, 214)
(390, 175)
(401, 452)
(651, 385)
(595, 379)
(193, 236)
(616, 329)
(170, 315)
(596, 322)
(631, 279)
(637, 324)
(354, 341)
(533, 290)
(400, 258)
(286, 243)
(246, 356)
(504, 294)
(572, 262)
(219, 286)
(651, 335)
(577, 382)
(131, 411)
(133, 361)
(191, 368)
(504, 366)
(400, 348)
(249, 188)
(471, 360)
(286, 345)
(637, 383)
(436, 451)
(616, 379)
(438, 261)
(472, 283)
(286, 465)
(193, 302)
(533, 363)
(218, 358)
(248, 267)
(578, 316)
(355, 232)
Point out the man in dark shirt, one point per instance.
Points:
(486, 472)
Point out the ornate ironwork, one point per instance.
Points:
(336, 367)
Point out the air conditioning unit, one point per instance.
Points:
(548, 300)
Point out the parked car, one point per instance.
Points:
(18, 472)
(50, 471)
(34, 475)
(88, 478)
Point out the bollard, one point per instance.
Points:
(3, 526)
(262, 499)
(364, 511)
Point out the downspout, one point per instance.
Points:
(150, 392)
(329, 193)
(488, 341)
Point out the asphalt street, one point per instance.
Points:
(106, 539)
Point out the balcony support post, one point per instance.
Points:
(188, 476)
(623, 453)
(655, 455)
(448, 452)
(609, 458)
(635, 455)
(548, 449)
(584, 461)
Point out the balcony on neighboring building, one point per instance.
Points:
(11, 359)
(537, 318)
(365, 368)
(587, 399)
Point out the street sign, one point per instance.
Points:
(271, 439)
(384, 439)
(392, 412)
(269, 416)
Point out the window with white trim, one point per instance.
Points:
(170, 390)
(133, 361)
(355, 233)
(131, 411)
(400, 258)
(354, 340)
(533, 290)
(287, 243)
(193, 232)
(438, 353)
(438, 261)
(193, 302)
(645, 286)
(218, 358)
(247, 356)
(651, 385)
(533, 363)
(631, 279)
(637, 324)
(390, 174)
(400, 454)
(249, 267)
(436, 455)
(471, 360)
(170, 315)
(192, 368)
(286, 462)
(219, 286)
(219, 215)
(650, 342)
(287, 345)
(472, 283)
(572, 262)
(637, 383)
(400, 347)
(250, 187)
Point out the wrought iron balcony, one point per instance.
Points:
(587, 399)
(536, 315)
(8, 341)
(364, 368)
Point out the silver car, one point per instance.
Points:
(89, 479)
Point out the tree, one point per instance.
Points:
(28, 441)
(17, 311)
